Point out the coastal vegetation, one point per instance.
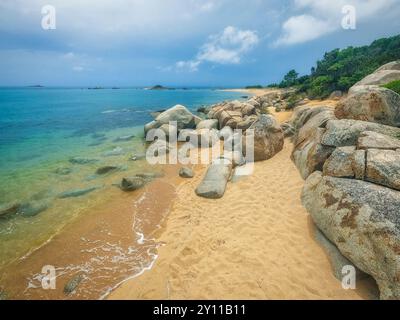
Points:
(340, 69)
(394, 85)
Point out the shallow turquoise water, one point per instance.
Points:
(41, 129)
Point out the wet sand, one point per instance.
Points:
(110, 242)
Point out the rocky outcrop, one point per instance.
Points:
(341, 133)
(214, 182)
(375, 104)
(208, 124)
(354, 201)
(310, 154)
(234, 114)
(362, 220)
(267, 136)
(183, 117)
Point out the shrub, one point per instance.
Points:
(394, 85)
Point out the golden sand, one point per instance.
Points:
(257, 242)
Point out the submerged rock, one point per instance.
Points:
(106, 169)
(132, 183)
(82, 161)
(117, 151)
(33, 208)
(76, 192)
(148, 176)
(186, 172)
(124, 138)
(63, 171)
(9, 209)
(73, 284)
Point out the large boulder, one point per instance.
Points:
(376, 104)
(341, 133)
(267, 136)
(310, 154)
(234, 114)
(383, 167)
(362, 219)
(394, 65)
(375, 140)
(214, 182)
(183, 117)
(380, 77)
(340, 163)
(313, 118)
(208, 124)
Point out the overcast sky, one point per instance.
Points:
(179, 42)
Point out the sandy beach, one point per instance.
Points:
(257, 242)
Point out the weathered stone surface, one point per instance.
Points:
(362, 219)
(208, 124)
(374, 140)
(379, 77)
(378, 104)
(73, 284)
(132, 183)
(337, 260)
(336, 95)
(233, 113)
(341, 133)
(310, 155)
(186, 172)
(268, 138)
(183, 117)
(214, 182)
(394, 65)
(340, 163)
(359, 164)
(383, 167)
(314, 118)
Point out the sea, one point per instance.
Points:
(52, 141)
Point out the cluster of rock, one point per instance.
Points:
(219, 122)
(352, 172)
